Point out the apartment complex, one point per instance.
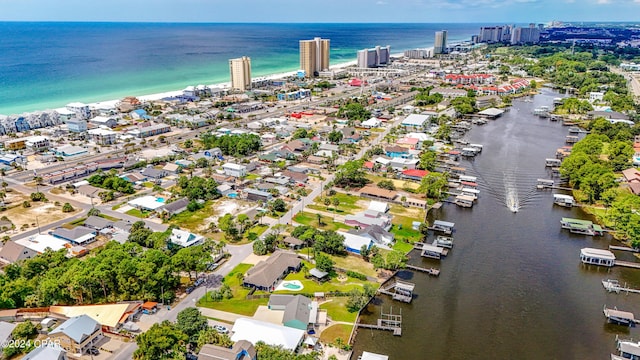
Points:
(240, 70)
(523, 35)
(314, 56)
(440, 43)
(371, 58)
(510, 34)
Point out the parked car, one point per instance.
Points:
(221, 329)
(198, 282)
(190, 289)
(93, 351)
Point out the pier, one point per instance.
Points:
(402, 291)
(614, 286)
(628, 264)
(388, 322)
(430, 271)
(623, 248)
(616, 316)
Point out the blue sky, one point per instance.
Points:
(433, 11)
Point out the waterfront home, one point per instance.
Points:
(584, 227)
(267, 273)
(491, 113)
(380, 236)
(487, 101)
(241, 350)
(361, 220)
(564, 200)
(414, 174)
(78, 334)
(599, 257)
(416, 121)
(300, 312)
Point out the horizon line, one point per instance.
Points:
(302, 22)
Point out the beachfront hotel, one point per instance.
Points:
(440, 43)
(314, 56)
(240, 70)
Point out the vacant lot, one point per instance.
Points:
(40, 213)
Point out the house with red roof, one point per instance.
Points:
(414, 174)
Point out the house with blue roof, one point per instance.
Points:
(78, 334)
(139, 114)
(396, 151)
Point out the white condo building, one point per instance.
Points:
(378, 56)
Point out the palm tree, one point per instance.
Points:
(319, 217)
(336, 203)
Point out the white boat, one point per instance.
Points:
(444, 241)
(564, 200)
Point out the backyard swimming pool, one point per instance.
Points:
(290, 285)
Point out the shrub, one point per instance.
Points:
(356, 275)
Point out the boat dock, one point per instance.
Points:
(633, 265)
(616, 316)
(389, 322)
(623, 248)
(402, 291)
(430, 271)
(614, 286)
(430, 251)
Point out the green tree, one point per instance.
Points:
(279, 205)
(191, 322)
(335, 136)
(433, 185)
(324, 262)
(386, 184)
(161, 341)
(211, 336)
(354, 111)
(351, 174)
(428, 160)
(259, 248)
(66, 208)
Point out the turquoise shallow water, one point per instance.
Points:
(46, 65)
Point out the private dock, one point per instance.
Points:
(616, 316)
(402, 291)
(430, 271)
(614, 286)
(388, 322)
(633, 265)
(430, 251)
(623, 248)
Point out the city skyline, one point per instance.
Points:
(287, 11)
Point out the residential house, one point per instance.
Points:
(414, 174)
(76, 125)
(371, 123)
(89, 190)
(354, 243)
(267, 273)
(416, 121)
(296, 177)
(13, 252)
(153, 174)
(70, 151)
(171, 168)
(41, 242)
(5, 332)
(123, 226)
(361, 220)
(134, 177)
(396, 151)
(109, 122)
(316, 160)
(241, 350)
(293, 243)
(449, 92)
(632, 176)
(78, 334)
(373, 191)
(257, 195)
(102, 136)
(175, 207)
(147, 129)
(299, 311)
(255, 331)
(295, 146)
(487, 101)
(97, 223)
(377, 234)
(185, 238)
(234, 170)
(79, 235)
(48, 352)
(37, 143)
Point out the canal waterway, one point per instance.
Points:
(513, 287)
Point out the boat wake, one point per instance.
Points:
(511, 193)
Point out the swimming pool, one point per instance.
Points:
(290, 285)
(232, 195)
(160, 199)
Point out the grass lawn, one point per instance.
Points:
(347, 203)
(238, 304)
(137, 213)
(148, 184)
(310, 219)
(405, 217)
(251, 176)
(354, 263)
(337, 310)
(192, 221)
(330, 334)
(399, 184)
(311, 286)
(116, 207)
(110, 218)
(402, 246)
(257, 229)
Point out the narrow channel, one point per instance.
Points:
(513, 286)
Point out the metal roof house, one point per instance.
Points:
(77, 334)
(299, 311)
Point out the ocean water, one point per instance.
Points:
(49, 64)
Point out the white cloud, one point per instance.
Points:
(380, 2)
(603, 2)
